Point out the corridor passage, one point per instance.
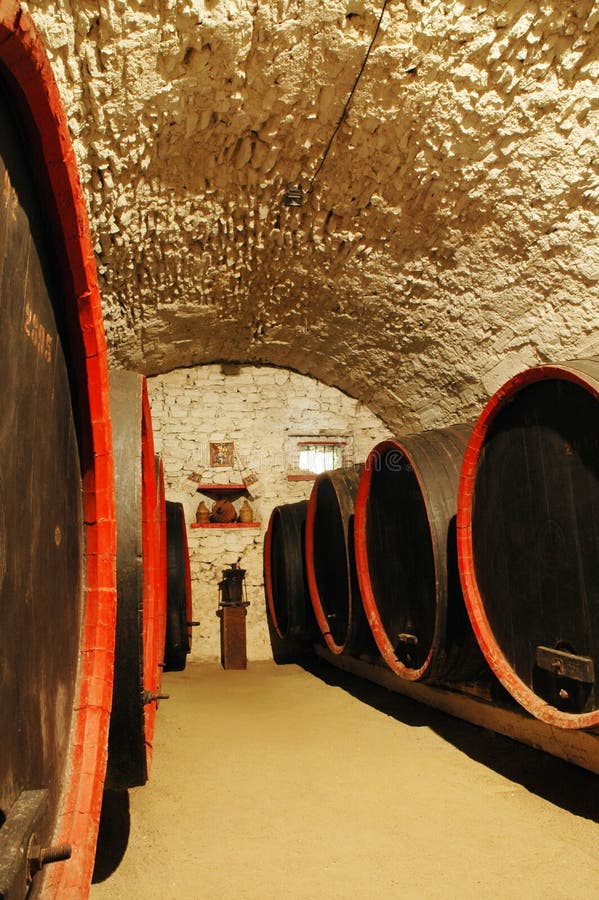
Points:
(278, 783)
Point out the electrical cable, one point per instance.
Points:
(348, 101)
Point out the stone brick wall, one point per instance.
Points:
(450, 239)
(262, 410)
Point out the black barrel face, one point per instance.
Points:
(535, 540)
(126, 747)
(285, 580)
(279, 569)
(41, 541)
(401, 560)
(178, 643)
(330, 561)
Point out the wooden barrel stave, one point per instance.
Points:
(155, 588)
(528, 542)
(126, 749)
(141, 583)
(57, 574)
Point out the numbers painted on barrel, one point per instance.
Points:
(37, 334)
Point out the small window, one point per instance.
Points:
(309, 455)
(320, 457)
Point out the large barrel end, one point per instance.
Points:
(527, 540)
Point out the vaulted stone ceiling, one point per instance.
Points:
(449, 239)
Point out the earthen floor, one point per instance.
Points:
(277, 782)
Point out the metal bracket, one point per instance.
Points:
(21, 856)
(409, 639)
(16, 836)
(567, 665)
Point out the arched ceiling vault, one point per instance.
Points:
(451, 237)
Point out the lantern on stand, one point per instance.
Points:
(232, 612)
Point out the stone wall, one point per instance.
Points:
(262, 410)
(450, 239)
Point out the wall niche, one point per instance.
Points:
(266, 413)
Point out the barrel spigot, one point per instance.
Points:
(152, 696)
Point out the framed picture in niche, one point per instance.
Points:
(222, 453)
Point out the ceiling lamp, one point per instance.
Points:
(293, 196)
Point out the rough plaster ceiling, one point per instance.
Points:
(451, 238)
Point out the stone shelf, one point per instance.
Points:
(221, 488)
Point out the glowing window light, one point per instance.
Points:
(318, 458)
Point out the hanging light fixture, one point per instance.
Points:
(293, 196)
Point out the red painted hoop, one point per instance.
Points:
(368, 599)
(321, 619)
(535, 705)
(153, 512)
(188, 594)
(313, 588)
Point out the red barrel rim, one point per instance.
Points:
(161, 618)
(28, 74)
(163, 575)
(520, 691)
(153, 504)
(188, 596)
(151, 550)
(363, 569)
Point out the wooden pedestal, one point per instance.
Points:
(232, 637)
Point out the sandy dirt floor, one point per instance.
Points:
(276, 782)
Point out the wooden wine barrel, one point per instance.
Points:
(528, 539)
(57, 521)
(285, 581)
(140, 623)
(179, 602)
(407, 558)
(330, 563)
